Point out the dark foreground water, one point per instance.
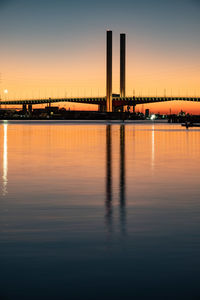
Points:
(96, 211)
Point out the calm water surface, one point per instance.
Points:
(98, 211)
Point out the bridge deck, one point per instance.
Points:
(117, 101)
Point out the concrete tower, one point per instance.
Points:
(109, 72)
(122, 64)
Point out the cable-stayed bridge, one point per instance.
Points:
(111, 102)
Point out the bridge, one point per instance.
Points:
(111, 102)
(117, 102)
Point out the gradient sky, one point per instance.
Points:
(57, 48)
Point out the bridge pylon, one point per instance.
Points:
(109, 72)
(122, 65)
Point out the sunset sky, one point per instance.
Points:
(54, 48)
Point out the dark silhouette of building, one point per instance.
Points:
(147, 113)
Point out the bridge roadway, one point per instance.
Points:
(117, 101)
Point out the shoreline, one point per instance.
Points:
(78, 122)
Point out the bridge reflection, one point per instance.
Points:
(109, 183)
(122, 181)
(109, 177)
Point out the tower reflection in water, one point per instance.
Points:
(5, 160)
(122, 182)
(109, 177)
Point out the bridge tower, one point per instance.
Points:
(122, 65)
(109, 72)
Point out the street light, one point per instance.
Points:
(5, 93)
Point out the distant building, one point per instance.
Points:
(147, 113)
(53, 109)
(182, 114)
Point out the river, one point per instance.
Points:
(99, 211)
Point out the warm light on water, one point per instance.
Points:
(5, 160)
(99, 211)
